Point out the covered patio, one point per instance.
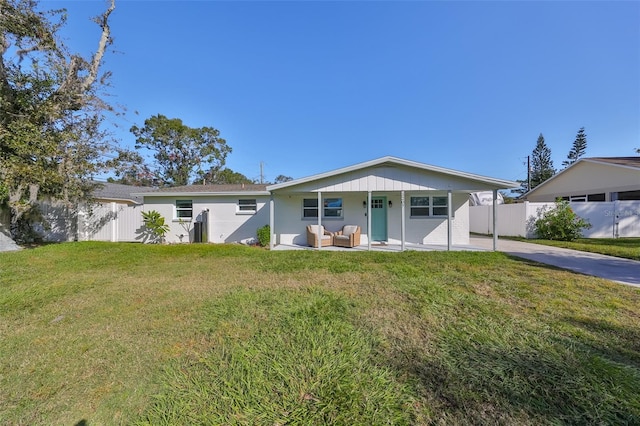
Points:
(398, 205)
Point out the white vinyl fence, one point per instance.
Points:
(116, 222)
(106, 221)
(615, 219)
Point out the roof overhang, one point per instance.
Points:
(203, 194)
(489, 182)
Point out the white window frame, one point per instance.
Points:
(312, 205)
(434, 209)
(178, 209)
(247, 206)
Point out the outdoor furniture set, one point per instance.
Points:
(348, 236)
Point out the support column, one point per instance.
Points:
(369, 220)
(272, 225)
(495, 220)
(449, 223)
(402, 224)
(320, 209)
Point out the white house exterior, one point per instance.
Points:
(394, 201)
(592, 179)
(226, 213)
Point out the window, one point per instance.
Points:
(331, 208)
(440, 206)
(309, 208)
(429, 206)
(184, 209)
(420, 206)
(247, 206)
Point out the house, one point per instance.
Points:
(592, 179)
(394, 201)
(211, 213)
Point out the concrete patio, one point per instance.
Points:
(384, 247)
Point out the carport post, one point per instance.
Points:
(320, 209)
(449, 224)
(495, 220)
(272, 224)
(369, 220)
(403, 232)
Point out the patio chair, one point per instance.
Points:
(312, 236)
(349, 236)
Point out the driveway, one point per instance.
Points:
(624, 271)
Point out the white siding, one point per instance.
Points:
(290, 227)
(588, 178)
(386, 179)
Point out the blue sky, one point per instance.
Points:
(311, 86)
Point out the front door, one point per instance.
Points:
(379, 218)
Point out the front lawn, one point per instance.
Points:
(628, 248)
(220, 334)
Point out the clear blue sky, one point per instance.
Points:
(311, 86)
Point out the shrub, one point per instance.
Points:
(264, 235)
(155, 228)
(560, 223)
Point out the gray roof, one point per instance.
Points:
(619, 161)
(117, 191)
(227, 189)
(236, 187)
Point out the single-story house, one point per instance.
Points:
(592, 179)
(393, 201)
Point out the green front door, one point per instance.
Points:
(379, 218)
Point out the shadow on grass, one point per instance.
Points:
(619, 344)
(547, 380)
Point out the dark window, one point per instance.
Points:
(247, 206)
(184, 209)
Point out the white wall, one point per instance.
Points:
(608, 219)
(225, 223)
(290, 227)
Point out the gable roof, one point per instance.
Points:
(118, 191)
(488, 182)
(617, 162)
(633, 162)
(227, 189)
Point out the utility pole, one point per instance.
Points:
(261, 172)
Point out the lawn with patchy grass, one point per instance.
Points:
(221, 334)
(628, 248)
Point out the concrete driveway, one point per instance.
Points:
(624, 271)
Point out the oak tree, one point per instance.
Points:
(181, 154)
(52, 140)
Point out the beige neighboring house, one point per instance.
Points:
(592, 179)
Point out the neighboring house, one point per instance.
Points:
(394, 201)
(592, 179)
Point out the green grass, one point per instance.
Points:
(203, 334)
(628, 248)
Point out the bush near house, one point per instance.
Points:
(560, 223)
(264, 235)
(155, 226)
